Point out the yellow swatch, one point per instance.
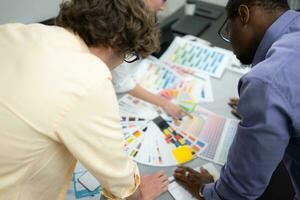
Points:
(129, 140)
(137, 134)
(183, 154)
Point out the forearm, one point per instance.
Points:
(143, 94)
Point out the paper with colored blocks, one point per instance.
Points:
(156, 76)
(198, 57)
(192, 125)
(215, 131)
(183, 154)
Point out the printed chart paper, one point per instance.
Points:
(235, 65)
(156, 76)
(196, 56)
(217, 131)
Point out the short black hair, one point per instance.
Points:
(233, 5)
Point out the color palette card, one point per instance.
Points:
(158, 144)
(217, 131)
(196, 56)
(184, 100)
(235, 65)
(156, 76)
(129, 122)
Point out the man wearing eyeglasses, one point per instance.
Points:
(266, 34)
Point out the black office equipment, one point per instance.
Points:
(190, 25)
(208, 10)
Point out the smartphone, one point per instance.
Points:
(88, 181)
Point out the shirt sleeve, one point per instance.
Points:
(259, 145)
(91, 131)
(122, 79)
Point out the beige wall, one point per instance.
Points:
(28, 11)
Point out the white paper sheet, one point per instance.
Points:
(179, 193)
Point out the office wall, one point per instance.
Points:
(28, 11)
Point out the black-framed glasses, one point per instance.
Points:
(131, 57)
(224, 32)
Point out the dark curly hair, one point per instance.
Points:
(125, 25)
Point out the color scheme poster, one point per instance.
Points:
(156, 76)
(196, 56)
(217, 131)
(235, 65)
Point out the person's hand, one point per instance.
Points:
(152, 186)
(233, 103)
(173, 110)
(192, 180)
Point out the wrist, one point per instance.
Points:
(201, 192)
(163, 102)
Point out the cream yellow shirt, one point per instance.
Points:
(57, 105)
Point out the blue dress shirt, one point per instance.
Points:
(269, 131)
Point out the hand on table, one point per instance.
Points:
(192, 180)
(152, 186)
(233, 103)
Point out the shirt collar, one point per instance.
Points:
(274, 32)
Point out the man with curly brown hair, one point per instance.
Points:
(58, 105)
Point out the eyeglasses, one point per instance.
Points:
(224, 32)
(131, 57)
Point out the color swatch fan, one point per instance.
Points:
(181, 98)
(158, 144)
(130, 122)
(131, 106)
